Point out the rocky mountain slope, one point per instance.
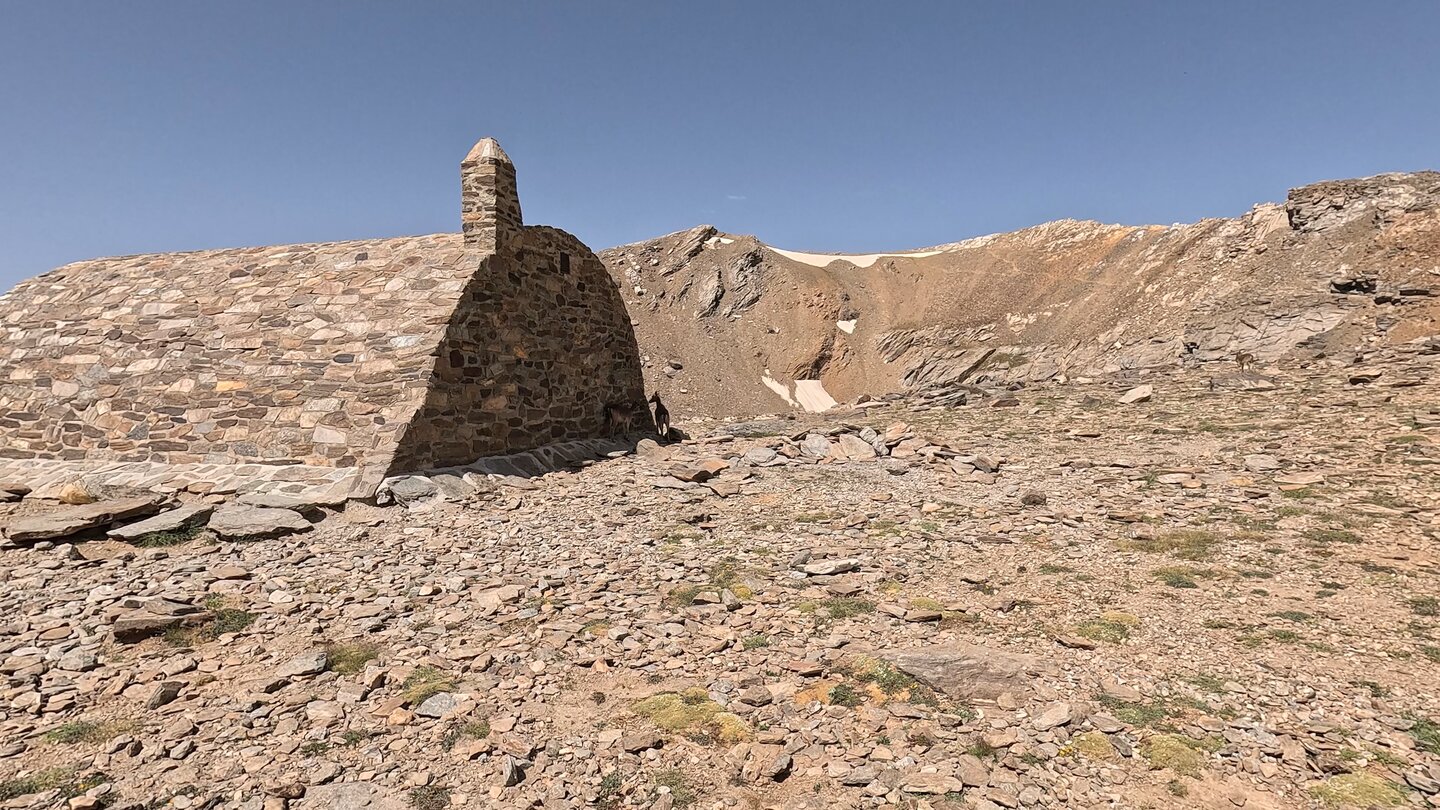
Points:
(1203, 599)
(733, 326)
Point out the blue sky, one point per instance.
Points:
(150, 126)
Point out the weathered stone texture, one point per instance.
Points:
(502, 340)
(540, 344)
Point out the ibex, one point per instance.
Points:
(618, 416)
(1245, 360)
(662, 416)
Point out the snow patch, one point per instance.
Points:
(813, 396)
(857, 259)
(809, 394)
(779, 388)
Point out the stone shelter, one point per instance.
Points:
(338, 363)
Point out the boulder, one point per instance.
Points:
(853, 448)
(1140, 393)
(824, 568)
(177, 519)
(815, 445)
(75, 519)
(350, 796)
(700, 471)
(412, 488)
(139, 625)
(310, 662)
(966, 672)
(11, 491)
(256, 522)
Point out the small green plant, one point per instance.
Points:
(1187, 544)
(1179, 754)
(1426, 733)
(1375, 689)
(430, 797)
(82, 731)
(223, 619)
(1207, 683)
(169, 537)
(350, 658)
(1293, 615)
(812, 517)
(844, 607)
(1137, 713)
(1183, 576)
(355, 737)
(476, 729)
(981, 749)
(755, 642)
(681, 793)
(425, 682)
(843, 694)
(610, 794)
(314, 748)
(66, 779)
(1324, 536)
(1358, 790)
(1425, 606)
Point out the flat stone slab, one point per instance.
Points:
(967, 672)
(74, 519)
(176, 519)
(241, 521)
(303, 502)
(350, 796)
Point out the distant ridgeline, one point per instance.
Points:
(343, 362)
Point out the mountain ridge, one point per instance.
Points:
(1068, 297)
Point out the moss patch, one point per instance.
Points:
(1184, 576)
(1092, 745)
(1174, 752)
(1113, 627)
(1358, 790)
(693, 714)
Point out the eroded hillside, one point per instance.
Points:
(731, 324)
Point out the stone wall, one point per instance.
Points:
(372, 354)
(540, 344)
(303, 354)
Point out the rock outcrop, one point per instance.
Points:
(731, 326)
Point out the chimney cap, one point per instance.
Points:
(487, 150)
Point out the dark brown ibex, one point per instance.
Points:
(662, 416)
(618, 417)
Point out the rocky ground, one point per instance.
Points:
(1207, 596)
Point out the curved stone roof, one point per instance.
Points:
(333, 363)
(311, 353)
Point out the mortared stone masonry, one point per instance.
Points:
(340, 362)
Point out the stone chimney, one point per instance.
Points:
(489, 202)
